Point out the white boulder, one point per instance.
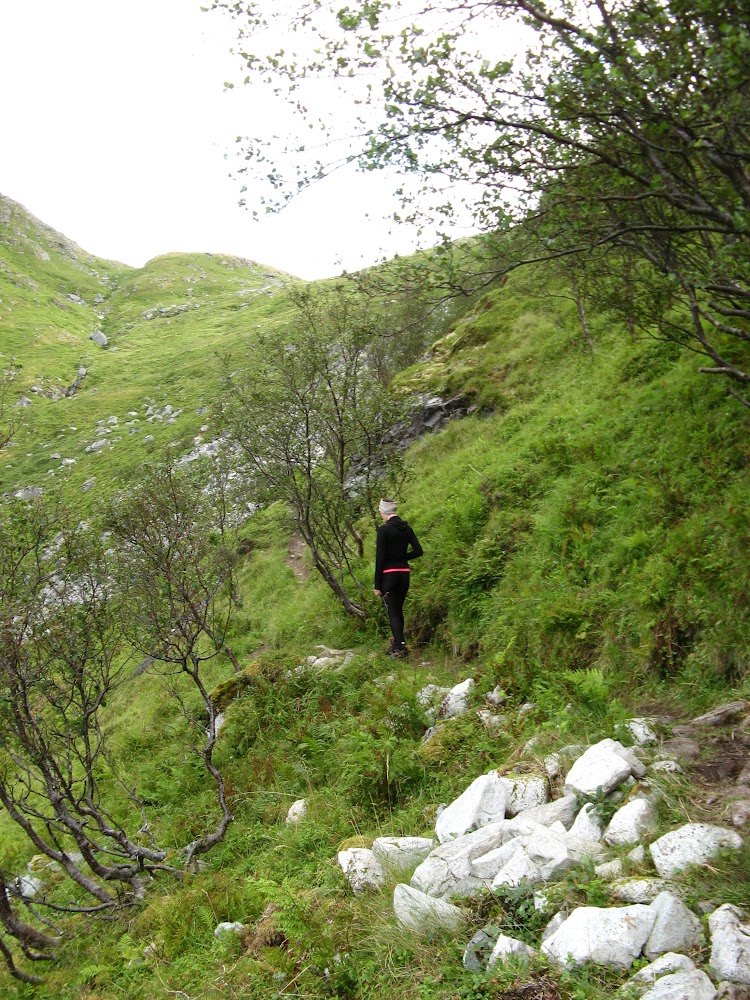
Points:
(642, 731)
(227, 927)
(609, 870)
(456, 701)
(640, 890)
(730, 944)
(524, 792)
(447, 870)
(613, 937)
(507, 947)
(517, 869)
(561, 810)
(361, 868)
(675, 928)
(399, 854)
(692, 844)
(488, 865)
(588, 824)
(419, 912)
(663, 966)
(599, 767)
(297, 811)
(693, 985)
(481, 803)
(631, 823)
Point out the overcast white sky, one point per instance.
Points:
(115, 126)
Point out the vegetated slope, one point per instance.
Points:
(165, 324)
(586, 539)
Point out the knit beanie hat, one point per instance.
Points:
(387, 507)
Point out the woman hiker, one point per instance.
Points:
(396, 545)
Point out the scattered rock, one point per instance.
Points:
(730, 945)
(99, 338)
(362, 869)
(28, 493)
(401, 854)
(524, 792)
(739, 812)
(692, 844)
(642, 732)
(675, 927)
(662, 966)
(640, 890)
(297, 811)
(693, 985)
(631, 823)
(97, 445)
(483, 802)
(587, 823)
(478, 951)
(456, 701)
(610, 870)
(729, 712)
(228, 927)
(421, 913)
(506, 947)
(599, 767)
(613, 937)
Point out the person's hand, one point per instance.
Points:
(378, 593)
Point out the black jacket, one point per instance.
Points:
(396, 545)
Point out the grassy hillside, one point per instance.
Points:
(586, 537)
(165, 324)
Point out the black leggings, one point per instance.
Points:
(395, 589)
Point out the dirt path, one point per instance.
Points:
(295, 558)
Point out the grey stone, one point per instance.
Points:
(478, 951)
(722, 714)
(692, 844)
(506, 947)
(399, 854)
(97, 445)
(588, 824)
(681, 747)
(488, 865)
(612, 937)
(421, 913)
(297, 811)
(693, 985)
(99, 338)
(739, 812)
(631, 823)
(675, 927)
(362, 869)
(730, 944)
(642, 731)
(481, 803)
(28, 493)
(609, 869)
(732, 991)
(524, 792)
(663, 966)
(448, 869)
(228, 927)
(561, 810)
(640, 890)
(599, 767)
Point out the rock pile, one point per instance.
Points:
(505, 831)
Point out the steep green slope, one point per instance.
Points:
(586, 536)
(165, 325)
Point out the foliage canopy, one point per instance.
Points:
(621, 134)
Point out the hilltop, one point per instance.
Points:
(584, 518)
